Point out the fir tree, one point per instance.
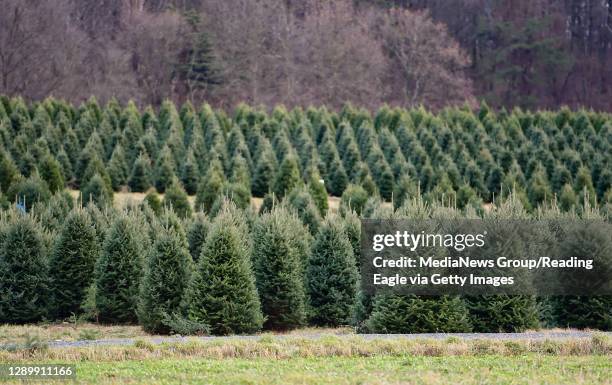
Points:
(177, 198)
(190, 174)
(393, 313)
(331, 276)
(140, 177)
(153, 201)
(30, 191)
(51, 172)
(278, 266)
(567, 199)
(72, 263)
(167, 274)
(265, 171)
(318, 192)
(118, 272)
(24, 273)
(354, 198)
(97, 192)
(287, 177)
(117, 168)
(164, 170)
(222, 292)
(196, 235)
(209, 188)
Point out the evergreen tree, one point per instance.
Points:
(222, 292)
(190, 174)
(584, 185)
(24, 273)
(318, 192)
(393, 313)
(567, 199)
(166, 276)
(287, 177)
(117, 168)
(51, 172)
(300, 200)
(72, 263)
(209, 188)
(331, 276)
(164, 170)
(354, 198)
(196, 235)
(140, 177)
(279, 269)
(265, 172)
(29, 191)
(8, 171)
(153, 201)
(97, 192)
(338, 179)
(177, 198)
(118, 272)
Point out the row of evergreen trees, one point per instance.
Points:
(455, 154)
(237, 271)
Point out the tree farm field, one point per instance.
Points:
(297, 358)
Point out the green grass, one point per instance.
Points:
(493, 369)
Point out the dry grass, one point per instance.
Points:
(327, 346)
(11, 334)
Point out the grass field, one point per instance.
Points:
(529, 369)
(337, 357)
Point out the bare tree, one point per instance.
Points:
(429, 62)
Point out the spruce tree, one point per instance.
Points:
(97, 192)
(117, 168)
(265, 172)
(8, 171)
(394, 313)
(300, 200)
(166, 276)
(29, 191)
(177, 198)
(567, 199)
(153, 201)
(318, 192)
(72, 263)
(331, 276)
(51, 172)
(287, 177)
(222, 292)
(190, 173)
(278, 266)
(337, 178)
(118, 272)
(164, 170)
(209, 188)
(196, 235)
(140, 176)
(24, 273)
(354, 198)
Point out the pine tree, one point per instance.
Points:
(164, 170)
(8, 171)
(118, 272)
(209, 188)
(337, 178)
(393, 313)
(567, 199)
(153, 201)
(24, 273)
(190, 174)
(29, 191)
(72, 263)
(331, 276)
(222, 292)
(300, 200)
(117, 168)
(287, 177)
(196, 235)
(51, 172)
(140, 177)
(278, 265)
(167, 274)
(97, 192)
(354, 198)
(177, 198)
